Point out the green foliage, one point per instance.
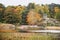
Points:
(58, 16)
(2, 8)
(10, 16)
(31, 6)
(18, 14)
(24, 14)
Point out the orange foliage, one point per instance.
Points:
(33, 17)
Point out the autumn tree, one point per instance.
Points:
(33, 18)
(10, 16)
(31, 14)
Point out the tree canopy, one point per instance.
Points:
(31, 14)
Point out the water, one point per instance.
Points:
(46, 31)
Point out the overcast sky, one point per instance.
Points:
(25, 2)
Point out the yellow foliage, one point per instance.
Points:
(56, 9)
(19, 9)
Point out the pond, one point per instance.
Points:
(45, 31)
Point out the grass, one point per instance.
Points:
(24, 36)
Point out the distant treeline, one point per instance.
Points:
(31, 14)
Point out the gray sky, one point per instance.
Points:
(25, 2)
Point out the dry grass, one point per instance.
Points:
(24, 36)
(8, 31)
(52, 28)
